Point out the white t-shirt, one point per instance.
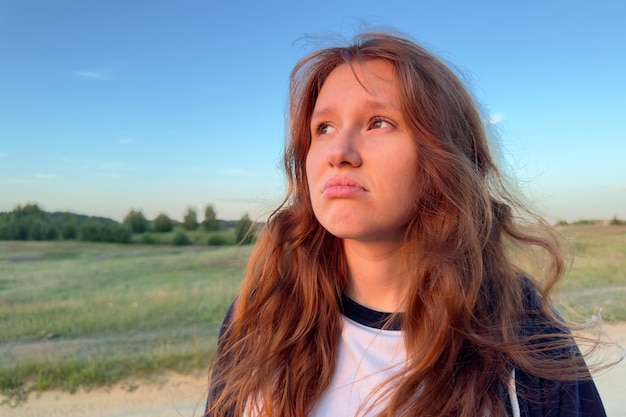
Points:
(367, 356)
(371, 351)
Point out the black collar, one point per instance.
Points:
(368, 317)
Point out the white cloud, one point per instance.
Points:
(91, 74)
(4, 155)
(496, 118)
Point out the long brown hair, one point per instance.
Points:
(467, 301)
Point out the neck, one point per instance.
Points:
(376, 274)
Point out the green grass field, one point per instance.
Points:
(75, 314)
(597, 278)
(78, 314)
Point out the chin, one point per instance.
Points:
(353, 233)
(364, 232)
(343, 231)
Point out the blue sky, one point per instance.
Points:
(160, 105)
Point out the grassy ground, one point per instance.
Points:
(598, 275)
(85, 315)
(75, 314)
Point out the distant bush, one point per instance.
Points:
(617, 222)
(149, 239)
(92, 231)
(116, 233)
(585, 222)
(181, 239)
(220, 239)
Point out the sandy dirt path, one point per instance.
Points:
(612, 382)
(175, 395)
(183, 396)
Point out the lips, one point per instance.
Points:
(342, 187)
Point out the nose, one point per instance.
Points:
(344, 150)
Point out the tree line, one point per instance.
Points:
(30, 222)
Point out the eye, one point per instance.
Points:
(380, 123)
(324, 128)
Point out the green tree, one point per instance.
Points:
(210, 219)
(7, 228)
(163, 224)
(29, 210)
(90, 231)
(244, 231)
(190, 221)
(39, 230)
(136, 221)
(27, 222)
(69, 229)
(115, 233)
(10, 229)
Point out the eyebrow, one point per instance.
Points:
(372, 104)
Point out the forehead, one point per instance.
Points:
(372, 80)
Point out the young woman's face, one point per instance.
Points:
(362, 160)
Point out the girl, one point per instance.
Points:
(384, 284)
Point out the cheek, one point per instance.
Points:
(309, 179)
(311, 167)
(409, 182)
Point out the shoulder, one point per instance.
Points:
(540, 397)
(219, 364)
(228, 318)
(543, 398)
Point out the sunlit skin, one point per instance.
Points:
(361, 172)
